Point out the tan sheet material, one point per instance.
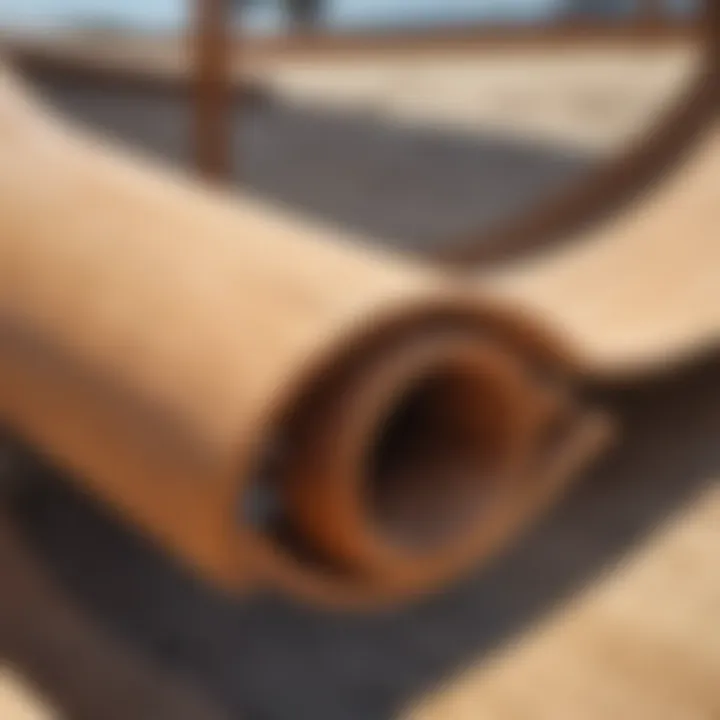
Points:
(642, 291)
(18, 701)
(168, 345)
(642, 643)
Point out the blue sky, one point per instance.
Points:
(163, 14)
(166, 13)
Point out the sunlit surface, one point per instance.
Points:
(392, 125)
(19, 702)
(642, 642)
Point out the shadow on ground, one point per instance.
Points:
(265, 659)
(411, 187)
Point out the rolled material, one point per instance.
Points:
(641, 293)
(274, 405)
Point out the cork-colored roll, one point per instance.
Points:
(180, 352)
(277, 405)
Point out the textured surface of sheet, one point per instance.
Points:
(642, 642)
(159, 339)
(641, 292)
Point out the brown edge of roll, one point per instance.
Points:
(332, 542)
(616, 184)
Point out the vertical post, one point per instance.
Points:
(212, 40)
(650, 12)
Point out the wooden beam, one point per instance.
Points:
(212, 57)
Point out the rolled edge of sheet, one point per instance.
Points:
(494, 410)
(419, 452)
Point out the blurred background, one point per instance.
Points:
(276, 16)
(413, 122)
